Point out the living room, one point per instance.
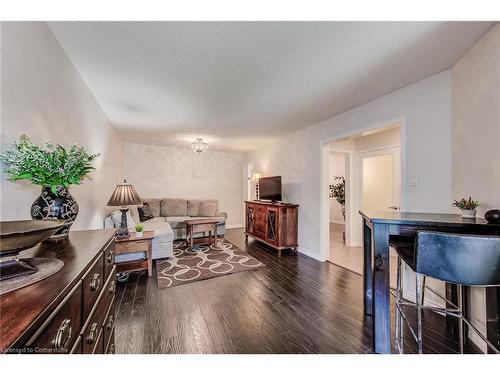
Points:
(187, 181)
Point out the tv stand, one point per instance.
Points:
(273, 223)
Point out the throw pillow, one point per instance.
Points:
(145, 212)
(208, 208)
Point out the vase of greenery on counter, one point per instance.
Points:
(55, 168)
(467, 206)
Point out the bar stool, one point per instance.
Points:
(466, 260)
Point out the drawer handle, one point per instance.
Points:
(110, 256)
(111, 321)
(63, 334)
(96, 281)
(111, 349)
(112, 287)
(92, 333)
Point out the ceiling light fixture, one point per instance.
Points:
(199, 146)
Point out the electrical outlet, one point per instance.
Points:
(414, 180)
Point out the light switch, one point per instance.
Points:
(414, 180)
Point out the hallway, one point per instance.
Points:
(351, 258)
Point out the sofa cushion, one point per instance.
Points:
(163, 230)
(193, 207)
(154, 204)
(145, 213)
(208, 207)
(177, 222)
(134, 213)
(173, 207)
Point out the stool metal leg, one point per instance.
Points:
(460, 320)
(423, 293)
(398, 321)
(418, 298)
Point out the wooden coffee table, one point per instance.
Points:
(201, 226)
(135, 244)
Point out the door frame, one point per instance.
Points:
(349, 193)
(324, 144)
(358, 199)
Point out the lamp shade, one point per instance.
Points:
(256, 176)
(124, 195)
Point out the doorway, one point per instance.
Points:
(369, 166)
(378, 182)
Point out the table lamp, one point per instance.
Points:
(124, 195)
(255, 178)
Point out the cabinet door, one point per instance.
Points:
(250, 218)
(260, 217)
(272, 225)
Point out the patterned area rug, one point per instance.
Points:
(204, 262)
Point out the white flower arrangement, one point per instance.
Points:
(53, 166)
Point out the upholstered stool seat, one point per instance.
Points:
(466, 260)
(405, 248)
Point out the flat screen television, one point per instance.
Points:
(270, 188)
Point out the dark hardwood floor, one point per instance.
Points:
(293, 305)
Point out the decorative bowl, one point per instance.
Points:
(492, 216)
(19, 235)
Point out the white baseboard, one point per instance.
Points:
(234, 226)
(310, 255)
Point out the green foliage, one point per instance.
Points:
(50, 166)
(139, 228)
(337, 191)
(466, 204)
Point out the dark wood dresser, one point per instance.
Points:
(275, 224)
(72, 311)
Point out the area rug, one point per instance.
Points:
(203, 262)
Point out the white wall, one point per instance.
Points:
(426, 109)
(173, 172)
(337, 168)
(44, 97)
(476, 136)
(385, 138)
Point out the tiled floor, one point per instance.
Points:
(352, 257)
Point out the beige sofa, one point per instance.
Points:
(168, 222)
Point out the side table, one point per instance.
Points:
(134, 244)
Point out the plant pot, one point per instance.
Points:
(469, 214)
(60, 206)
(139, 234)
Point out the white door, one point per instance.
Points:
(378, 182)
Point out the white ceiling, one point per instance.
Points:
(242, 84)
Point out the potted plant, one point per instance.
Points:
(53, 167)
(467, 206)
(337, 191)
(139, 230)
